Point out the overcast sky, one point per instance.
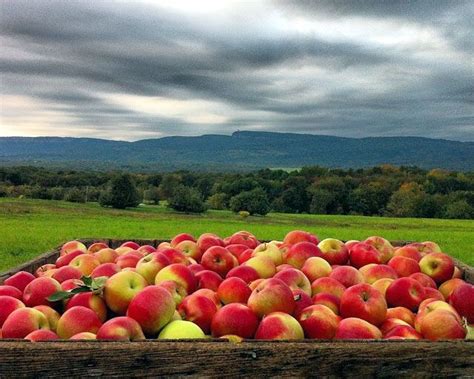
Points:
(147, 69)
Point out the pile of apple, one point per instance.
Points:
(238, 288)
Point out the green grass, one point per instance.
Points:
(31, 227)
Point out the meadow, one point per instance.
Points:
(31, 227)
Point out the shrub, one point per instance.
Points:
(187, 199)
(254, 202)
(218, 201)
(75, 195)
(122, 193)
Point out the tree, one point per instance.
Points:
(254, 202)
(187, 199)
(407, 201)
(75, 195)
(218, 201)
(122, 193)
(151, 195)
(320, 200)
(460, 209)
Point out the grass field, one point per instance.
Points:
(30, 227)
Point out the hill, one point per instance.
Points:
(239, 151)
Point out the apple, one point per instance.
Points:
(348, 276)
(431, 293)
(38, 291)
(131, 244)
(272, 295)
(163, 245)
(219, 259)
(129, 259)
(373, 272)
(364, 302)
(431, 247)
(19, 280)
(106, 255)
(91, 301)
(77, 320)
(296, 236)
(177, 291)
(404, 266)
(198, 309)
(315, 268)
(70, 284)
(319, 322)
(408, 251)
(71, 246)
(66, 259)
(11, 291)
(430, 305)
(245, 256)
(85, 263)
(152, 307)
(22, 322)
(175, 256)
(180, 329)
(449, 286)
(41, 335)
(361, 254)
(124, 250)
(334, 251)
(195, 268)
(120, 289)
(190, 249)
(391, 323)
(105, 269)
(402, 313)
(179, 273)
(462, 299)
(405, 332)
(279, 326)
(244, 238)
(441, 324)
(302, 301)
(65, 273)
(424, 279)
(236, 319)
(295, 279)
(381, 285)
(328, 300)
(146, 249)
(298, 253)
(270, 250)
(84, 336)
(327, 285)
(246, 273)
(405, 292)
(45, 269)
(237, 249)
(150, 265)
(180, 238)
(382, 245)
(234, 290)
(207, 240)
(438, 266)
(120, 329)
(97, 246)
(356, 328)
(51, 315)
(264, 266)
(208, 279)
(8, 305)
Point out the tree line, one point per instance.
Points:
(382, 190)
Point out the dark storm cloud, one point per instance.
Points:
(255, 68)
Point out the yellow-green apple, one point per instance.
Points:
(190, 249)
(404, 266)
(264, 266)
(19, 280)
(431, 293)
(302, 300)
(105, 269)
(152, 307)
(424, 279)
(38, 291)
(181, 237)
(245, 256)
(361, 254)
(131, 244)
(298, 253)
(381, 285)
(431, 247)
(64, 260)
(71, 246)
(22, 322)
(270, 250)
(327, 285)
(356, 328)
(179, 273)
(95, 247)
(8, 305)
(373, 272)
(318, 321)
(236, 319)
(219, 259)
(244, 238)
(402, 313)
(295, 279)
(407, 251)
(120, 329)
(315, 268)
(441, 324)
(129, 259)
(430, 305)
(438, 266)
(77, 320)
(449, 286)
(405, 332)
(233, 290)
(11, 291)
(51, 315)
(84, 336)
(198, 309)
(146, 249)
(91, 301)
(462, 299)
(85, 263)
(177, 290)
(65, 273)
(207, 240)
(120, 289)
(246, 273)
(328, 300)
(181, 329)
(405, 292)
(382, 245)
(296, 236)
(348, 276)
(42, 335)
(208, 279)
(365, 302)
(150, 265)
(45, 270)
(279, 326)
(334, 251)
(106, 255)
(272, 295)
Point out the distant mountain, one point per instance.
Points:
(242, 150)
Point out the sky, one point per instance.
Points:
(130, 70)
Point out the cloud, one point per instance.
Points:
(154, 68)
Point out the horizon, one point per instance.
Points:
(156, 68)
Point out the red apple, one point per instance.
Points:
(296, 236)
(449, 286)
(207, 240)
(65, 273)
(121, 329)
(91, 301)
(327, 285)
(302, 301)
(272, 295)
(190, 249)
(298, 253)
(106, 255)
(181, 237)
(405, 292)
(51, 315)
(198, 309)
(42, 335)
(407, 252)
(208, 279)
(19, 280)
(264, 266)
(105, 269)
(356, 328)
(462, 299)
(244, 238)
(77, 320)
(365, 302)
(246, 273)
(279, 326)
(315, 268)
(346, 275)
(85, 263)
(402, 313)
(318, 321)
(95, 247)
(236, 319)
(219, 259)
(129, 259)
(150, 265)
(403, 266)
(334, 251)
(234, 290)
(361, 254)
(179, 273)
(382, 245)
(441, 324)
(438, 266)
(11, 291)
(38, 291)
(8, 305)
(424, 279)
(328, 300)
(120, 289)
(71, 246)
(373, 272)
(22, 322)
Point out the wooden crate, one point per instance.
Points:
(217, 358)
